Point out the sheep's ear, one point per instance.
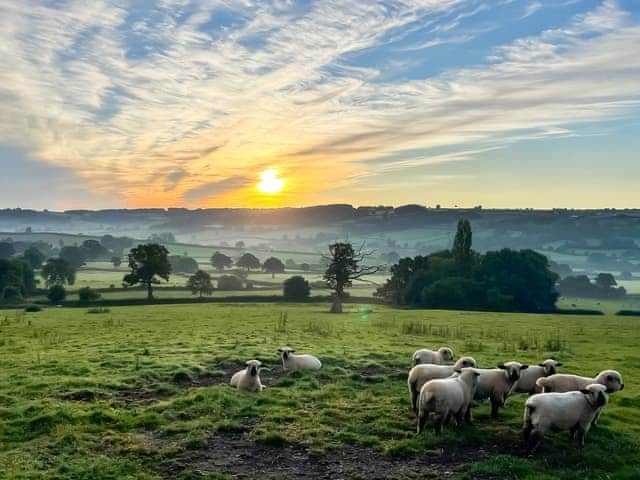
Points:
(585, 391)
(457, 370)
(292, 351)
(501, 365)
(477, 374)
(524, 367)
(541, 365)
(558, 364)
(280, 350)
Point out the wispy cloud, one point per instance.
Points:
(186, 101)
(531, 9)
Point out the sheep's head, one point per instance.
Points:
(285, 352)
(550, 367)
(465, 362)
(513, 369)
(446, 354)
(469, 375)
(253, 367)
(610, 379)
(596, 395)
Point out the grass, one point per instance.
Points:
(120, 394)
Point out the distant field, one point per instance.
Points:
(142, 393)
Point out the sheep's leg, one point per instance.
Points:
(467, 415)
(414, 400)
(596, 418)
(535, 437)
(439, 421)
(460, 417)
(496, 403)
(526, 432)
(572, 432)
(422, 420)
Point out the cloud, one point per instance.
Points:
(531, 8)
(174, 103)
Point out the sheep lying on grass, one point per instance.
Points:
(249, 378)
(442, 356)
(529, 377)
(496, 383)
(562, 382)
(291, 362)
(447, 397)
(573, 411)
(421, 374)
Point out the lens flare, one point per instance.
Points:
(270, 183)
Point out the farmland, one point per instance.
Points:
(142, 392)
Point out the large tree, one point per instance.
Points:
(94, 250)
(344, 264)
(220, 261)
(200, 283)
(183, 264)
(17, 274)
(296, 288)
(461, 250)
(605, 280)
(58, 271)
(33, 256)
(76, 256)
(273, 265)
(148, 263)
(248, 261)
(6, 249)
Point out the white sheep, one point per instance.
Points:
(421, 374)
(291, 362)
(496, 383)
(529, 377)
(563, 382)
(573, 411)
(249, 378)
(447, 397)
(424, 355)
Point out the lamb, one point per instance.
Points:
(443, 355)
(291, 362)
(249, 378)
(421, 374)
(528, 378)
(611, 379)
(497, 383)
(447, 397)
(573, 411)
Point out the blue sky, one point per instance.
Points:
(504, 103)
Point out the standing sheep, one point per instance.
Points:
(573, 411)
(291, 362)
(249, 378)
(421, 374)
(447, 397)
(442, 356)
(562, 382)
(529, 377)
(496, 383)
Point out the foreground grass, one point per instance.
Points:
(117, 395)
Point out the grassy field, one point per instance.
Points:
(142, 392)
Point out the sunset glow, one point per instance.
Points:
(270, 183)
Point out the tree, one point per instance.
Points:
(461, 250)
(296, 288)
(164, 237)
(6, 250)
(116, 261)
(148, 262)
(240, 244)
(248, 261)
(605, 280)
(88, 295)
(345, 265)
(56, 294)
(200, 283)
(75, 256)
(273, 265)
(220, 261)
(58, 271)
(290, 263)
(11, 295)
(94, 250)
(229, 282)
(17, 273)
(183, 264)
(116, 244)
(33, 257)
(305, 267)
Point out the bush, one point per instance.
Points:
(229, 282)
(98, 310)
(296, 288)
(32, 308)
(11, 295)
(56, 294)
(87, 295)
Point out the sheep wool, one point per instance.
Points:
(529, 377)
(439, 357)
(496, 384)
(249, 378)
(292, 362)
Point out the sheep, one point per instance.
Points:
(573, 411)
(249, 378)
(421, 374)
(528, 378)
(447, 397)
(562, 382)
(497, 383)
(443, 355)
(291, 362)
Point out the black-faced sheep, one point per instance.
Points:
(249, 378)
(496, 383)
(529, 377)
(440, 357)
(291, 362)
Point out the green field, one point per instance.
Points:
(142, 392)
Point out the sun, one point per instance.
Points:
(270, 183)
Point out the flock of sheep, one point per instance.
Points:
(556, 401)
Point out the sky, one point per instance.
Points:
(500, 103)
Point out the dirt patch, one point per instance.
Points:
(235, 454)
(83, 396)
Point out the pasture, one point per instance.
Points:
(142, 392)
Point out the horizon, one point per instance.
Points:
(504, 104)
